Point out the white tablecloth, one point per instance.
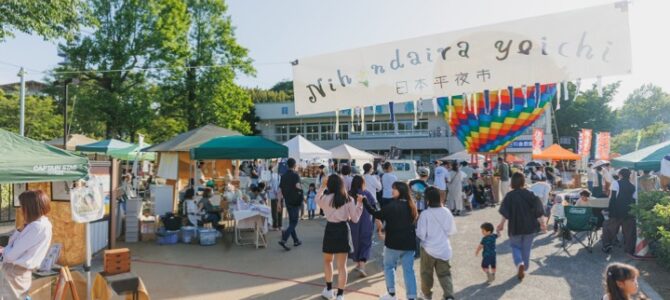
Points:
(252, 216)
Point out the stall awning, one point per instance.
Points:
(556, 152)
(26, 160)
(188, 140)
(104, 146)
(239, 147)
(345, 151)
(132, 152)
(462, 156)
(648, 158)
(300, 148)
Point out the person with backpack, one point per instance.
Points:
(400, 216)
(291, 191)
(505, 173)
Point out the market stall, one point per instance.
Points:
(355, 157)
(462, 156)
(246, 214)
(103, 146)
(557, 153)
(309, 155)
(176, 167)
(29, 165)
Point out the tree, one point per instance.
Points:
(49, 19)
(268, 96)
(132, 36)
(645, 106)
(589, 111)
(41, 123)
(204, 91)
(285, 86)
(626, 141)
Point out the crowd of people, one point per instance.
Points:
(416, 220)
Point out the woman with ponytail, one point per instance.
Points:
(400, 216)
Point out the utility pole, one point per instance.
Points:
(22, 102)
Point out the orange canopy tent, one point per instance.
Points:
(556, 152)
(514, 159)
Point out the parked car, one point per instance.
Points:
(404, 169)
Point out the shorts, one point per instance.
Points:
(489, 261)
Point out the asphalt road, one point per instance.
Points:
(229, 271)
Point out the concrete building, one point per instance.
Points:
(428, 140)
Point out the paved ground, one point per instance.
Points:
(227, 271)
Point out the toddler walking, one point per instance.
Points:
(488, 244)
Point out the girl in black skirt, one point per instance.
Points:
(339, 208)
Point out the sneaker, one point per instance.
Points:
(424, 297)
(361, 272)
(283, 244)
(607, 249)
(340, 297)
(388, 297)
(296, 244)
(521, 273)
(449, 298)
(328, 294)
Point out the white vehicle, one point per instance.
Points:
(404, 169)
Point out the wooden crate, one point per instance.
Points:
(117, 261)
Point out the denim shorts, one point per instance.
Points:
(489, 261)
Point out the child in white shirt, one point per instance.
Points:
(558, 211)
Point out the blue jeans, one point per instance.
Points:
(293, 215)
(406, 258)
(521, 245)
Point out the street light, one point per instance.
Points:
(65, 83)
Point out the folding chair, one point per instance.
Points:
(580, 225)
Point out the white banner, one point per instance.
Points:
(86, 202)
(584, 43)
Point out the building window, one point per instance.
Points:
(284, 110)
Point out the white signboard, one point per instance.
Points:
(585, 43)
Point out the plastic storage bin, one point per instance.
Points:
(167, 237)
(188, 233)
(207, 237)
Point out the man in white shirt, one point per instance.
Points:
(387, 184)
(441, 175)
(607, 179)
(542, 189)
(592, 178)
(434, 227)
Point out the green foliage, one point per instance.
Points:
(131, 34)
(202, 96)
(653, 215)
(42, 122)
(49, 19)
(285, 86)
(644, 107)
(589, 110)
(268, 96)
(625, 141)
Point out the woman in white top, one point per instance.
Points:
(191, 207)
(27, 246)
(455, 195)
(339, 208)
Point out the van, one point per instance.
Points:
(404, 169)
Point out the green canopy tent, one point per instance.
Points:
(103, 146)
(239, 147)
(648, 158)
(25, 160)
(132, 152)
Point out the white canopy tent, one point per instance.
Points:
(300, 148)
(462, 156)
(345, 151)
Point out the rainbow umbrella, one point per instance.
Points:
(496, 119)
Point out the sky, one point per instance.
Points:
(277, 32)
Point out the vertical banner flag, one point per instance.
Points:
(538, 140)
(603, 145)
(586, 140)
(518, 53)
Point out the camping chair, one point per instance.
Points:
(580, 225)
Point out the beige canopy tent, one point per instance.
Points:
(73, 141)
